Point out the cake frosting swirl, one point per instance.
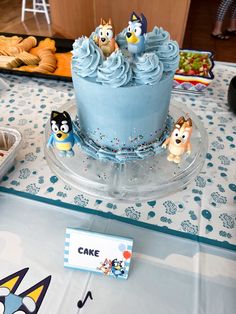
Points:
(147, 69)
(168, 53)
(115, 71)
(156, 38)
(86, 58)
(121, 39)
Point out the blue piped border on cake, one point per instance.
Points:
(123, 155)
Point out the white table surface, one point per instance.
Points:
(168, 274)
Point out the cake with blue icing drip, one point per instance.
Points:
(123, 98)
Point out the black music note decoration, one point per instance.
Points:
(81, 303)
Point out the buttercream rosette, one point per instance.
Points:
(87, 56)
(168, 54)
(147, 69)
(115, 71)
(156, 38)
(121, 39)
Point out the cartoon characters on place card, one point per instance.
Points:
(179, 141)
(28, 301)
(105, 267)
(135, 35)
(62, 137)
(115, 267)
(118, 268)
(106, 38)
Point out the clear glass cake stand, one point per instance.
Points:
(133, 181)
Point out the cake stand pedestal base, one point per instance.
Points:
(138, 180)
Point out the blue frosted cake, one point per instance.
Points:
(123, 86)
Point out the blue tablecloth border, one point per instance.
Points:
(109, 215)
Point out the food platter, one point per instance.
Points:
(195, 71)
(62, 45)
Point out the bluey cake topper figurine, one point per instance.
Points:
(106, 37)
(135, 34)
(62, 136)
(179, 141)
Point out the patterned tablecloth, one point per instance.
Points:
(168, 275)
(205, 211)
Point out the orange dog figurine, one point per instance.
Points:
(179, 141)
(106, 38)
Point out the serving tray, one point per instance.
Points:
(194, 83)
(62, 45)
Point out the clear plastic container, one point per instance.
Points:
(10, 140)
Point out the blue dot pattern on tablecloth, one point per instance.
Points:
(206, 208)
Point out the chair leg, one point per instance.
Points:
(23, 11)
(34, 6)
(46, 11)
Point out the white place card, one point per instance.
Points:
(101, 253)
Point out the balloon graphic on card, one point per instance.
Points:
(127, 254)
(122, 247)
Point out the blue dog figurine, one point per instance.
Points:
(62, 137)
(135, 35)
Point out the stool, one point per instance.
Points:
(39, 6)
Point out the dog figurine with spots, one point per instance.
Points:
(106, 38)
(179, 141)
(63, 138)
